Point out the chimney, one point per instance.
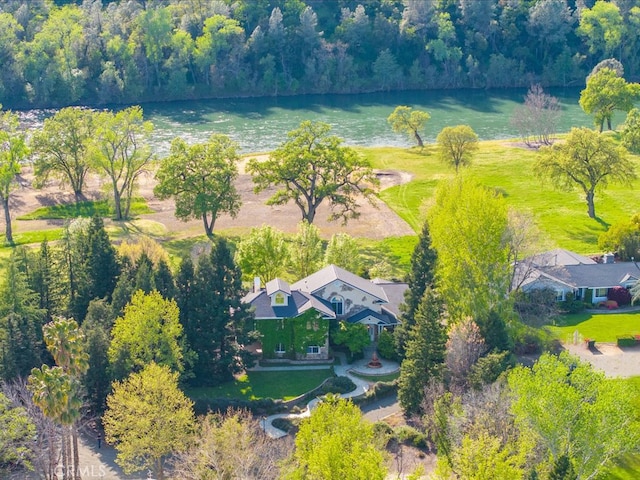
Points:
(256, 284)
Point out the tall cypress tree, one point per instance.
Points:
(421, 276)
(425, 354)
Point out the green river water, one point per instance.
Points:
(261, 124)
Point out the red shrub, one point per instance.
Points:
(620, 295)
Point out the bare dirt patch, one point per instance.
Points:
(609, 358)
(376, 221)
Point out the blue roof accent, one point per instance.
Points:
(362, 314)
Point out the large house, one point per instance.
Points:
(567, 272)
(294, 320)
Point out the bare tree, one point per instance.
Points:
(464, 347)
(232, 445)
(45, 453)
(537, 120)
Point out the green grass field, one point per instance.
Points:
(602, 327)
(263, 384)
(83, 209)
(561, 216)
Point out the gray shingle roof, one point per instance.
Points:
(395, 293)
(597, 275)
(321, 278)
(277, 284)
(299, 302)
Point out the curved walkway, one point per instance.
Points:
(342, 370)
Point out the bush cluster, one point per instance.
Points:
(620, 294)
(263, 406)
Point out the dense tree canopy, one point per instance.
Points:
(573, 410)
(335, 442)
(149, 331)
(134, 51)
(312, 168)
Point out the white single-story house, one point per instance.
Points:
(567, 272)
(294, 319)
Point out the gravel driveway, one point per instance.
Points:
(609, 358)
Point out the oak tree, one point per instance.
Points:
(588, 160)
(200, 179)
(607, 91)
(61, 148)
(121, 153)
(456, 145)
(313, 167)
(406, 120)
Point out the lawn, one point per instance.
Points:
(87, 208)
(504, 166)
(603, 327)
(264, 384)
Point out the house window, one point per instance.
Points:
(313, 350)
(559, 295)
(280, 348)
(279, 300)
(337, 305)
(601, 292)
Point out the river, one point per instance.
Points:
(261, 124)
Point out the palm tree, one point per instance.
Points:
(65, 341)
(51, 388)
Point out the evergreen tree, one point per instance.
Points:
(425, 354)
(163, 280)
(494, 331)
(421, 276)
(21, 320)
(93, 266)
(96, 329)
(45, 280)
(562, 469)
(215, 319)
(144, 275)
(125, 286)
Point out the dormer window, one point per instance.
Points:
(337, 304)
(279, 299)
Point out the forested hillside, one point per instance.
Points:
(129, 51)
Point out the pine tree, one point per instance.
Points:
(421, 276)
(163, 280)
(21, 320)
(425, 354)
(215, 319)
(494, 332)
